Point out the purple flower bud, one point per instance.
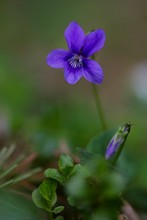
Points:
(116, 143)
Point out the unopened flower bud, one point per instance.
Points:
(116, 143)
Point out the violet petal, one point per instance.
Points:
(57, 58)
(74, 36)
(112, 148)
(93, 42)
(93, 71)
(72, 75)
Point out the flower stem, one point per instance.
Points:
(99, 108)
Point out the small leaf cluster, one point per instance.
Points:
(45, 196)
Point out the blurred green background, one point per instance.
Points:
(36, 103)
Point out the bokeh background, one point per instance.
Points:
(38, 107)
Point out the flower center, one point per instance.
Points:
(75, 61)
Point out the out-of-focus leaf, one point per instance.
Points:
(71, 201)
(78, 187)
(58, 209)
(104, 215)
(59, 218)
(65, 164)
(99, 143)
(113, 185)
(98, 167)
(85, 155)
(16, 207)
(75, 170)
(137, 197)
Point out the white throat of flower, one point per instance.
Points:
(75, 61)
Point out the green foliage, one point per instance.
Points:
(93, 189)
(65, 164)
(47, 190)
(90, 188)
(15, 207)
(54, 174)
(39, 201)
(96, 187)
(99, 143)
(45, 196)
(12, 205)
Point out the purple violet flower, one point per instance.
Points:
(76, 62)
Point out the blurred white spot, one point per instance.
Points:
(138, 81)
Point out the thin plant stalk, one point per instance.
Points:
(98, 104)
(99, 108)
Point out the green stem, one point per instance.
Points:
(51, 216)
(99, 108)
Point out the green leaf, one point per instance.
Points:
(78, 187)
(16, 207)
(54, 174)
(75, 170)
(85, 155)
(113, 185)
(137, 197)
(99, 143)
(71, 201)
(65, 164)
(58, 209)
(39, 201)
(48, 191)
(103, 214)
